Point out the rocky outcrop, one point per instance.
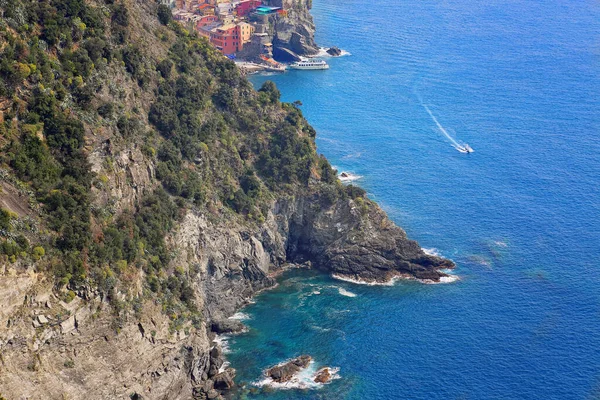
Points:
(286, 371)
(323, 376)
(294, 32)
(355, 240)
(225, 326)
(334, 51)
(285, 55)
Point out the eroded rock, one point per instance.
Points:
(323, 376)
(285, 372)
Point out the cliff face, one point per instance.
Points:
(295, 32)
(76, 350)
(171, 193)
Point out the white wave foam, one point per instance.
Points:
(223, 341)
(303, 379)
(320, 329)
(224, 366)
(348, 177)
(392, 281)
(240, 316)
(443, 279)
(353, 155)
(323, 53)
(346, 293)
(432, 251)
(359, 281)
(500, 243)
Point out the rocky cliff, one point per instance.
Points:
(292, 35)
(296, 31)
(147, 193)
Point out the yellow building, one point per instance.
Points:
(246, 31)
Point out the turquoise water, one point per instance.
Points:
(517, 80)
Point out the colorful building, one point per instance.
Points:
(246, 31)
(245, 7)
(206, 20)
(227, 39)
(206, 9)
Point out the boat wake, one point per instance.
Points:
(463, 148)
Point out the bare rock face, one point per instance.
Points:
(227, 326)
(354, 240)
(285, 372)
(296, 31)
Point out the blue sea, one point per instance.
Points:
(519, 81)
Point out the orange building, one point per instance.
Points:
(227, 39)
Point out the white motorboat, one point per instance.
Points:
(309, 65)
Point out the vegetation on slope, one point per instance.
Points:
(215, 142)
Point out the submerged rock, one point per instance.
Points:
(285, 372)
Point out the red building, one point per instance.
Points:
(227, 39)
(246, 6)
(206, 20)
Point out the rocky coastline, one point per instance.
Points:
(62, 339)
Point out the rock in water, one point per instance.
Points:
(224, 380)
(227, 326)
(323, 376)
(334, 51)
(285, 372)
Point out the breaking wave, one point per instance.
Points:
(240, 316)
(432, 251)
(346, 293)
(323, 53)
(303, 379)
(359, 281)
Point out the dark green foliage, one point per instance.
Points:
(106, 110)
(120, 22)
(68, 207)
(289, 159)
(32, 162)
(355, 192)
(328, 174)
(165, 67)
(269, 92)
(135, 64)
(9, 248)
(164, 14)
(154, 218)
(5, 219)
(97, 49)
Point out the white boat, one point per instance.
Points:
(309, 65)
(465, 148)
